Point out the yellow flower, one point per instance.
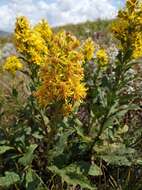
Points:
(44, 29)
(60, 57)
(29, 42)
(131, 4)
(62, 75)
(12, 64)
(88, 49)
(137, 53)
(127, 28)
(102, 56)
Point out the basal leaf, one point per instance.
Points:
(72, 176)
(116, 160)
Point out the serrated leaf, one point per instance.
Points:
(9, 179)
(27, 158)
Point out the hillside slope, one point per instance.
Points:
(87, 29)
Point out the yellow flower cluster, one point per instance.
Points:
(127, 28)
(12, 64)
(44, 30)
(62, 75)
(60, 58)
(102, 56)
(88, 49)
(29, 42)
(138, 46)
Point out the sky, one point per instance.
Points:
(57, 12)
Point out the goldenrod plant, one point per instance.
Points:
(71, 132)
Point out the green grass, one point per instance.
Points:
(86, 29)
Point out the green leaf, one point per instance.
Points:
(33, 181)
(60, 145)
(94, 170)
(116, 154)
(114, 108)
(4, 148)
(80, 132)
(117, 114)
(85, 168)
(139, 162)
(28, 156)
(72, 175)
(102, 97)
(29, 180)
(9, 179)
(78, 122)
(116, 160)
(14, 92)
(37, 135)
(46, 119)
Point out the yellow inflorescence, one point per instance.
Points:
(12, 64)
(44, 29)
(127, 28)
(102, 56)
(62, 75)
(137, 53)
(88, 49)
(29, 42)
(60, 58)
